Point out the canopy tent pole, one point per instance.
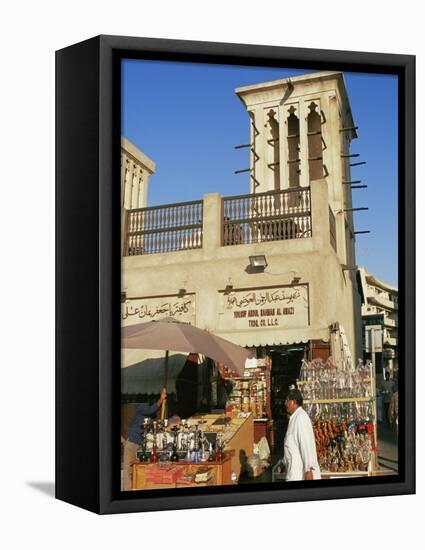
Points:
(164, 403)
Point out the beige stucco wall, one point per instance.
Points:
(327, 90)
(136, 169)
(205, 272)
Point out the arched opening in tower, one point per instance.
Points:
(293, 148)
(274, 143)
(314, 135)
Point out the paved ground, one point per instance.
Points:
(387, 447)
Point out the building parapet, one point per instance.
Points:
(243, 219)
(375, 298)
(166, 228)
(390, 341)
(269, 216)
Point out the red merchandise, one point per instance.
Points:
(164, 474)
(371, 434)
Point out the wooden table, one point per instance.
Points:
(237, 433)
(222, 472)
(241, 442)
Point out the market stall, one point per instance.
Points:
(341, 403)
(251, 393)
(209, 449)
(181, 474)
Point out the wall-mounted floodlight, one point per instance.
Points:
(258, 262)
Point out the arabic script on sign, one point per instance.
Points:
(166, 309)
(283, 307)
(257, 298)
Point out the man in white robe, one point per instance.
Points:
(300, 456)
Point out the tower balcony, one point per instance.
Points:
(245, 219)
(292, 220)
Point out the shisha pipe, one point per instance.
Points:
(174, 456)
(202, 441)
(154, 455)
(142, 451)
(163, 455)
(196, 444)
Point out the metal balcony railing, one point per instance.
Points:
(270, 216)
(165, 228)
(254, 218)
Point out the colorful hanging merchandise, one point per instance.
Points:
(341, 404)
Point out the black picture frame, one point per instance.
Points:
(88, 271)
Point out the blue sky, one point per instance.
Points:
(187, 118)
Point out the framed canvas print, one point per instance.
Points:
(235, 274)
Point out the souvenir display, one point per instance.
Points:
(326, 380)
(252, 394)
(341, 404)
(213, 442)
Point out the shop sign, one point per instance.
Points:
(281, 307)
(142, 310)
(373, 338)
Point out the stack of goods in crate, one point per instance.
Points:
(249, 395)
(202, 475)
(250, 392)
(156, 473)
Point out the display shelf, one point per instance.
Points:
(353, 473)
(339, 400)
(303, 382)
(330, 432)
(251, 377)
(251, 393)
